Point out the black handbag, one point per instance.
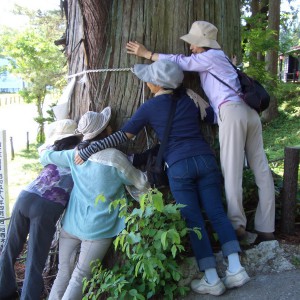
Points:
(252, 92)
(147, 161)
(152, 159)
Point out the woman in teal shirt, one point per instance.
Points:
(87, 224)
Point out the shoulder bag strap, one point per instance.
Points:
(166, 134)
(224, 81)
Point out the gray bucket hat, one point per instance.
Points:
(164, 73)
(202, 34)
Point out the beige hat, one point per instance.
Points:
(92, 123)
(59, 130)
(202, 34)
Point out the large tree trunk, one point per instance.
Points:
(98, 31)
(272, 59)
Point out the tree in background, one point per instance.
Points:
(34, 57)
(289, 28)
(261, 45)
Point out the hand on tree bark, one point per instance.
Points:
(138, 49)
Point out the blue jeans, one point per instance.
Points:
(195, 182)
(37, 216)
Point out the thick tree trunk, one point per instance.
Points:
(272, 59)
(254, 10)
(98, 31)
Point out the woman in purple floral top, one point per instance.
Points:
(36, 212)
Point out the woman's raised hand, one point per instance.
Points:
(137, 49)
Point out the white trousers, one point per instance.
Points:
(68, 282)
(240, 135)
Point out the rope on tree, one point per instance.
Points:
(101, 70)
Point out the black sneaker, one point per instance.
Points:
(264, 237)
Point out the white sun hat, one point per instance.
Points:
(59, 130)
(93, 123)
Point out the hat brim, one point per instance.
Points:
(169, 78)
(141, 71)
(106, 112)
(200, 42)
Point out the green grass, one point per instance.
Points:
(22, 170)
(284, 131)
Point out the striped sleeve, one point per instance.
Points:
(111, 141)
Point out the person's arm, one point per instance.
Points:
(141, 51)
(58, 158)
(130, 129)
(111, 141)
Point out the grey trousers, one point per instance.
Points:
(37, 217)
(68, 282)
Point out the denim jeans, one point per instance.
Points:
(195, 182)
(37, 216)
(68, 282)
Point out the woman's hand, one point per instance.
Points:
(138, 49)
(78, 160)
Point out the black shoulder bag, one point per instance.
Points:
(252, 92)
(153, 157)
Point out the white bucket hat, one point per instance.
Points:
(92, 123)
(202, 34)
(164, 73)
(59, 130)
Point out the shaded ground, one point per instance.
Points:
(290, 244)
(280, 286)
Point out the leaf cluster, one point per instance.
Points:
(150, 246)
(257, 38)
(32, 53)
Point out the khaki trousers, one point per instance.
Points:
(240, 136)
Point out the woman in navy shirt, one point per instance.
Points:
(192, 170)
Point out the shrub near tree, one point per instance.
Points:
(151, 248)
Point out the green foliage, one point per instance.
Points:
(257, 38)
(34, 57)
(150, 246)
(289, 34)
(296, 261)
(284, 131)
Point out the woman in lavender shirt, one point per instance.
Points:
(240, 130)
(36, 213)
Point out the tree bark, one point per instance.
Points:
(254, 11)
(272, 60)
(98, 31)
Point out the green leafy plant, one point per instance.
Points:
(257, 38)
(150, 248)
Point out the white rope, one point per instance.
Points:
(101, 70)
(115, 70)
